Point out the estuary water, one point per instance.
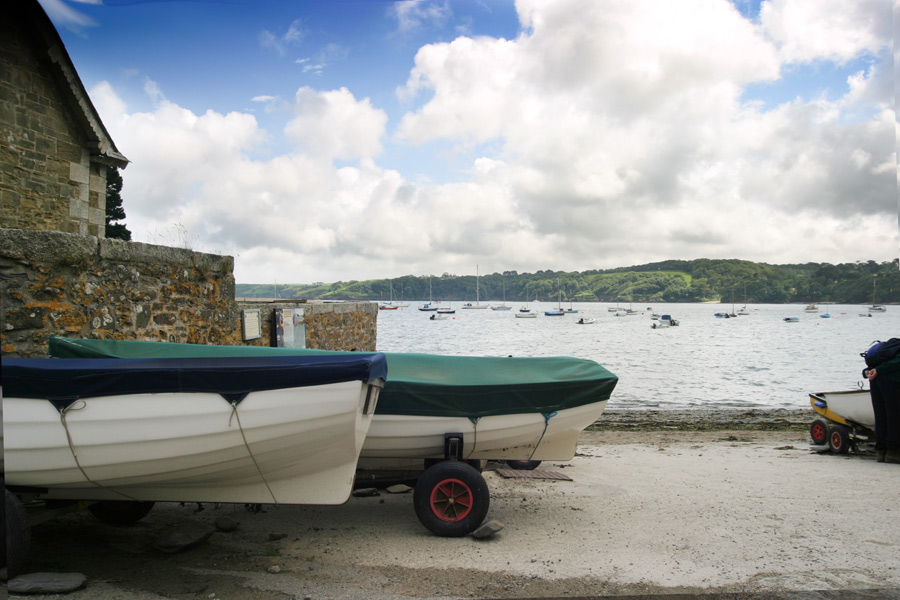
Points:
(753, 361)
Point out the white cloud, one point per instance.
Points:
(281, 43)
(335, 125)
(328, 55)
(415, 14)
(834, 30)
(63, 14)
(617, 136)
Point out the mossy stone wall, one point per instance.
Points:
(83, 287)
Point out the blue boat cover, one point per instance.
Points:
(420, 384)
(63, 381)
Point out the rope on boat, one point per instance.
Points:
(547, 417)
(79, 405)
(474, 434)
(235, 414)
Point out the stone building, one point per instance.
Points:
(54, 149)
(58, 276)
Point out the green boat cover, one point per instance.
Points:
(417, 384)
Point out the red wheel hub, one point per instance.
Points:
(836, 440)
(451, 500)
(818, 432)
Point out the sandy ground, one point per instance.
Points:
(649, 511)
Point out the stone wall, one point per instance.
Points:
(84, 287)
(346, 326)
(47, 178)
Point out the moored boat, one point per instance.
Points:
(875, 307)
(664, 321)
(478, 305)
(248, 429)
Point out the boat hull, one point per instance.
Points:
(526, 436)
(845, 407)
(506, 408)
(291, 445)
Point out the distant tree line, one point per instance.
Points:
(700, 280)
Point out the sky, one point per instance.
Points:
(365, 139)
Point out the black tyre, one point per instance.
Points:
(839, 440)
(818, 431)
(123, 512)
(476, 464)
(451, 499)
(523, 465)
(18, 536)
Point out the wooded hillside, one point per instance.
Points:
(700, 280)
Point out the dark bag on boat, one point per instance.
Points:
(880, 352)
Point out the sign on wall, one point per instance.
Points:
(251, 324)
(290, 330)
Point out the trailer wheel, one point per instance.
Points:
(839, 440)
(120, 512)
(818, 431)
(18, 536)
(476, 464)
(451, 499)
(523, 465)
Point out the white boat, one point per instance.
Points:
(503, 306)
(526, 308)
(438, 317)
(875, 307)
(446, 310)
(664, 322)
(558, 311)
(478, 305)
(845, 407)
(743, 312)
(526, 315)
(429, 306)
(390, 304)
(252, 429)
(442, 411)
(586, 321)
(506, 408)
(811, 308)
